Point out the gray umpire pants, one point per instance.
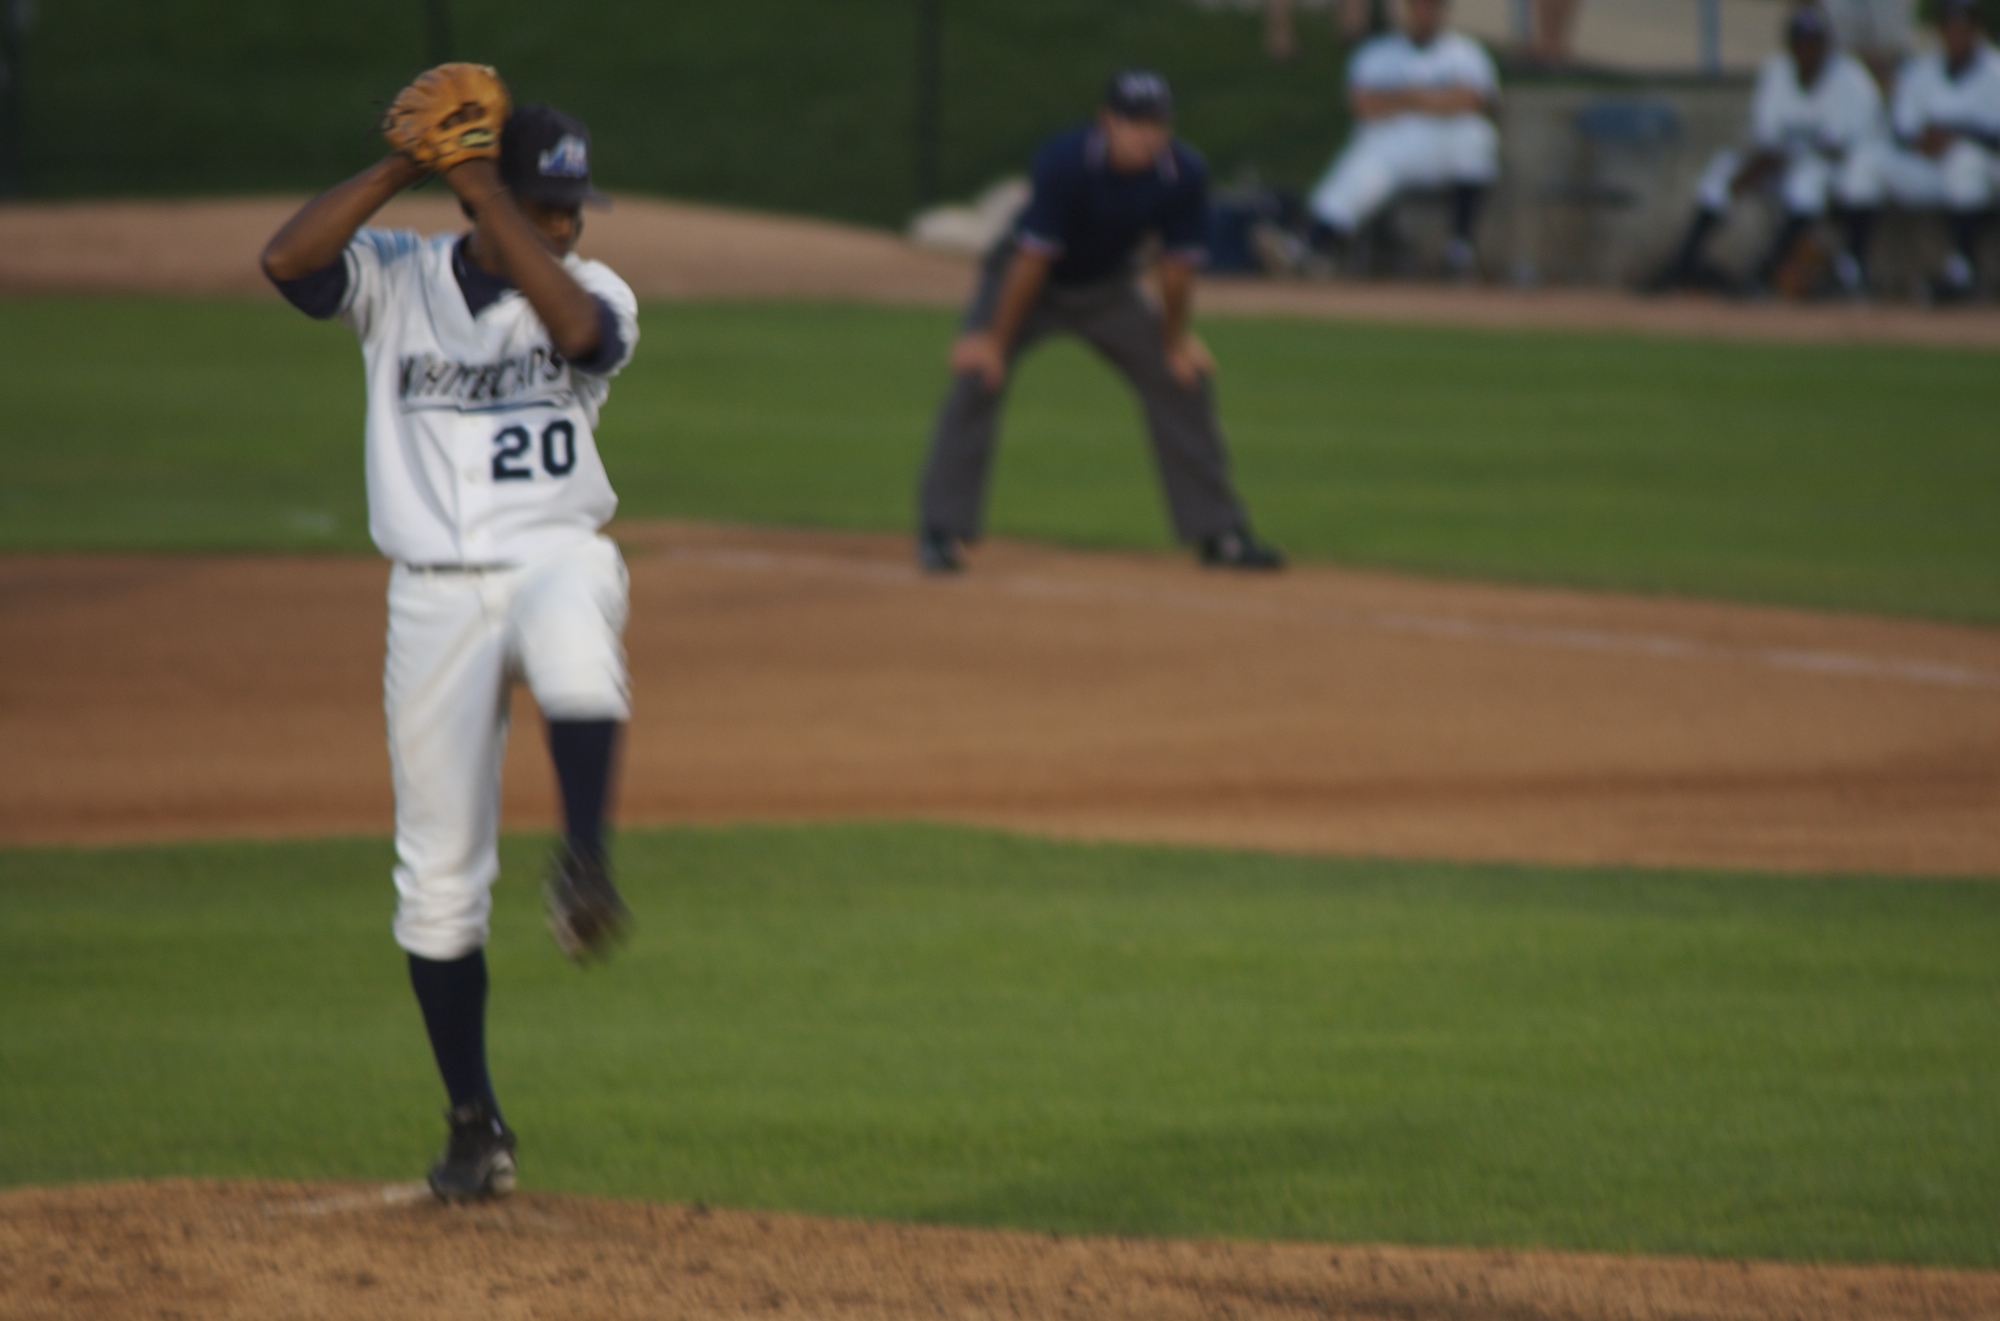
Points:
(1120, 324)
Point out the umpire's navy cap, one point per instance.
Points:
(1957, 9)
(545, 157)
(1139, 94)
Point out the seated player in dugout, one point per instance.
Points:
(487, 356)
(1945, 156)
(1102, 191)
(1816, 127)
(1423, 101)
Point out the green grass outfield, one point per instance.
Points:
(1857, 477)
(948, 1025)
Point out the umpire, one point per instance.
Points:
(1072, 263)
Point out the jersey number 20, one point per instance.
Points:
(510, 452)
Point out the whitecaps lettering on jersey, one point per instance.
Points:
(537, 377)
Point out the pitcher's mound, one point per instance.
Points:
(330, 1250)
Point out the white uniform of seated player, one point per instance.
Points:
(1946, 153)
(1423, 99)
(1816, 122)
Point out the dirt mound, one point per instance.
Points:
(679, 250)
(331, 1251)
(798, 676)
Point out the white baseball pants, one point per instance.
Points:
(1810, 181)
(1404, 151)
(1965, 178)
(458, 641)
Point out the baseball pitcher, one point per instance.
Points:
(487, 357)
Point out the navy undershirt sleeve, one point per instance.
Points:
(482, 288)
(318, 293)
(610, 350)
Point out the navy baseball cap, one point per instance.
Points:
(1957, 9)
(545, 157)
(1139, 94)
(1808, 23)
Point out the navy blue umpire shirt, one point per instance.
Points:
(1092, 219)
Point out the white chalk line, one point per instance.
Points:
(393, 1194)
(406, 1194)
(1442, 627)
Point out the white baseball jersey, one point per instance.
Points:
(480, 436)
(1394, 63)
(1927, 95)
(1838, 112)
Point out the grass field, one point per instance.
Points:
(950, 1025)
(1858, 477)
(937, 1024)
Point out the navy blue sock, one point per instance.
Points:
(582, 751)
(1858, 225)
(1465, 201)
(452, 994)
(1703, 224)
(1966, 227)
(1788, 236)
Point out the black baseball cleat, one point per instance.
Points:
(937, 552)
(478, 1160)
(1944, 291)
(1238, 549)
(586, 916)
(1688, 277)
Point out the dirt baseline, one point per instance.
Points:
(328, 1252)
(801, 676)
(680, 250)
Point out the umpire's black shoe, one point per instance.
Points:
(478, 1160)
(1238, 549)
(937, 552)
(586, 916)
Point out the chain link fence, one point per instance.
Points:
(792, 105)
(861, 110)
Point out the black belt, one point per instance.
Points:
(457, 568)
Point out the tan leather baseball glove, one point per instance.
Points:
(448, 115)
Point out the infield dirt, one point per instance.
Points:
(335, 1251)
(812, 676)
(677, 250)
